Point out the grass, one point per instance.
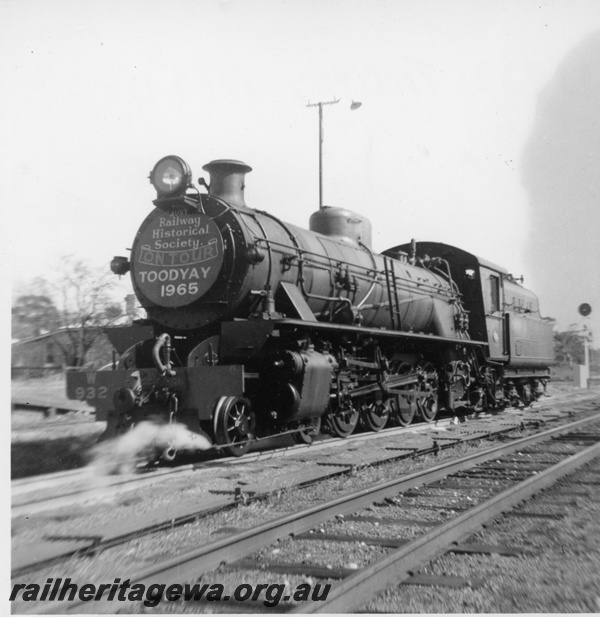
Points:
(41, 456)
(46, 445)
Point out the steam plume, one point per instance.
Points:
(121, 454)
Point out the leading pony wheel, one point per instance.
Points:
(307, 435)
(234, 424)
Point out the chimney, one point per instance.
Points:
(227, 180)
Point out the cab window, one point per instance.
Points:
(470, 285)
(494, 282)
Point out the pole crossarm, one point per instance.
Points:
(323, 103)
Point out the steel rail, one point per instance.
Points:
(100, 544)
(33, 484)
(357, 589)
(47, 478)
(240, 544)
(192, 563)
(116, 487)
(40, 481)
(122, 484)
(189, 514)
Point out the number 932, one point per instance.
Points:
(90, 392)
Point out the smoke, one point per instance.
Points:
(145, 440)
(561, 172)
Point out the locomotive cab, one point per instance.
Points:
(501, 312)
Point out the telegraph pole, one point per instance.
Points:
(320, 106)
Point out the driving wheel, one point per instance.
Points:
(343, 421)
(428, 407)
(234, 424)
(403, 410)
(374, 415)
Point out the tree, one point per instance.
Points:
(85, 307)
(595, 360)
(569, 347)
(33, 315)
(76, 302)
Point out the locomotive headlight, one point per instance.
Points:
(120, 265)
(171, 176)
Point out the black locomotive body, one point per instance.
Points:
(257, 327)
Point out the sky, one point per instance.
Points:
(478, 125)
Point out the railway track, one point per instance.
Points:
(30, 495)
(236, 549)
(39, 493)
(400, 564)
(30, 557)
(27, 557)
(32, 485)
(53, 549)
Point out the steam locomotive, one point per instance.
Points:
(257, 327)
